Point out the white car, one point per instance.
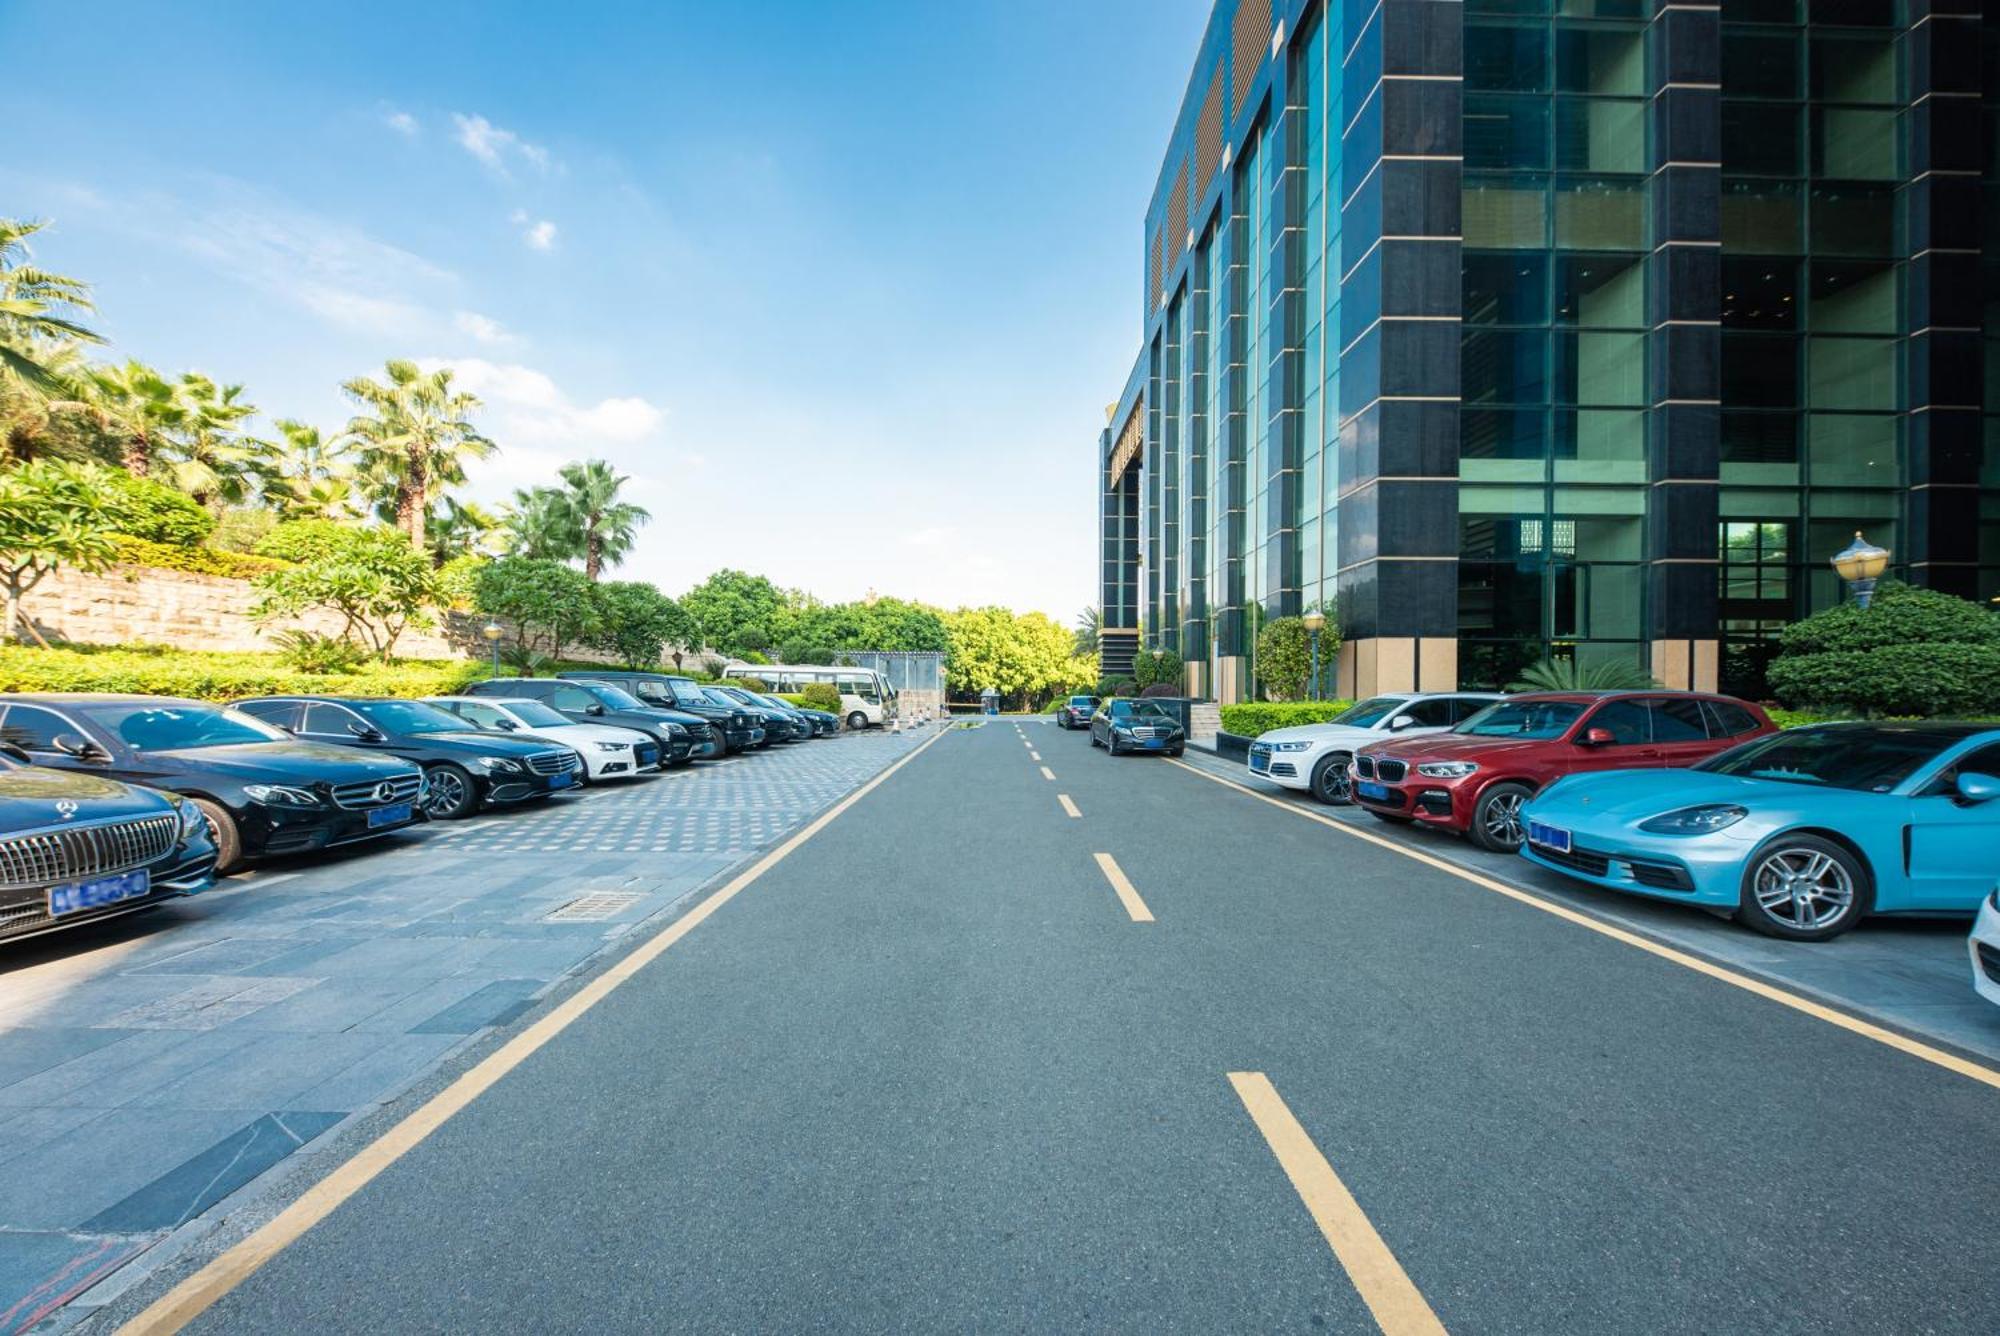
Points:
(607, 752)
(1984, 946)
(1314, 757)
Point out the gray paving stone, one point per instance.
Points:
(391, 1064)
(41, 1270)
(123, 1071)
(495, 1004)
(25, 1052)
(268, 1072)
(204, 1179)
(109, 1157)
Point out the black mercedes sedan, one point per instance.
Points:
(464, 768)
(782, 723)
(77, 848)
(1075, 712)
(824, 723)
(1122, 725)
(681, 736)
(263, 791)
(742, 727)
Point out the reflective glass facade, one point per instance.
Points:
(1576, 327)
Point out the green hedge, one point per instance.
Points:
(197, 560)
(1250, 720)
(218, 675)
(1919, 680)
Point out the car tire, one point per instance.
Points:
(1330, 784)
(1093, 739)
(1179, 751)
(857, 721)
(449, 793)
(1804, 888)
(1496, 818)
(222, 833)
(1111, 744)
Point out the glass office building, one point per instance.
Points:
(1589, 328)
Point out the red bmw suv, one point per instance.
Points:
(1474, 779)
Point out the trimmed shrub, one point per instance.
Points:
(195, 560)
(1161, 689)
(1125, 687)
(820, 696)
(747, 684)
(1250, 720)
(1899, 615)
(240, 529)
(1800, 718)
(305, 540)
(219, 676)
(1284, 657)
(155, 512)
(1911, 680)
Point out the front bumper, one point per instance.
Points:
(271, 831)
(1984, 948)
(507, 789)
(188, 869)
(1429, 802)
(1690, 869)
(1292, 770)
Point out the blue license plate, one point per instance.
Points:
(645, 756)
(1259, 764)
(1369, 789)
(81, 895)
(562, 781)
(1549, 837)
(1154, 742)
(393, 815)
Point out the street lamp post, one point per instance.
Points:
(1861, 563)
(492, 631)
(1315, 623)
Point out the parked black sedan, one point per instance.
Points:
(742, 727)
(1075, 712)
(1136, 725)
(463, 767)
(682, 736)
(76, 848)
(262, 791)
(782, 723)
(824, 722)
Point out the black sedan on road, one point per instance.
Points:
(682, 736)
(1075, 712)
(75, 848)
(262, 791)
(1137, 725)
(742, 727)
(464, 768)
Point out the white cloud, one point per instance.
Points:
(482, 328)
(528, 407)
(540, 235)
(401, 122)
(497, 147)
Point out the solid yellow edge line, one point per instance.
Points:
(1853, 1024)
(193, 1296)
(1400, 1309)
(1067, 805)
(1128, 894)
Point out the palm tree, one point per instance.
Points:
(35, 311)
(1569, 675)
(538, 525)
(304, 475)
(206, 456)
(1089, 623)
(605, 528)
(414, 439)
(458, 527)
(140, 407)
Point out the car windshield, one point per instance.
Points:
(167, 727)
(1870, 760)
(1142, 709)
(1083, 702)
(534, 714)
(1523, 719)
(1373, 711)
(721, 697)
(400, 717)
(614, 698)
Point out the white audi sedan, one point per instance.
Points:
(608, 752)
(1314, 757)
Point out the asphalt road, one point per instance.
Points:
(932, 1072)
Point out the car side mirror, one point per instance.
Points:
(1597, 737)
(365, 732)
(1400, 722)
(593, 708)
(506, 725)
(77, 746)
(1977, 788)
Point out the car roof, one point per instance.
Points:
(95, 698)
(1953, 729)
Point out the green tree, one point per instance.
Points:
(1912, 651)
(459, 529)
(304, 474)
(371, 576)
(549, 603)
(143, 508)
(38, 311)
(1089, 626)
(138, 406)
(1570, 675)
(735, 611)
(638, 623)
(204, 451)
(1284, 658)
(52, 514)
(415, 436)
(604, 527)
(1025, 656)
(536, 526)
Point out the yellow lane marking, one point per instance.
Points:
(189, 1299)
(1951, 1062)
(1048, 773)
(1399, 1307)
(1128, 895)
(1067, 805)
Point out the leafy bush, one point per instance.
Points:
(1914, 652)
(1125, 686)
(241, 528)
(303, 540)
(820, 696)
(1161, 689)
(752, 656)
(747, 683)
(219, 675)
(372, 577)
(455, 580)
(311, 652)
(1249, 720)
(552, 605)
(1799, 718)
(1569, 675)
(194, 560)
(1284, 657)
(1899, 615)
(154, 511)
(1158, 668)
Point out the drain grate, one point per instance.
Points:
(595, 908)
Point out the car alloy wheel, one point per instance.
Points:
(222, 833)
(1329, 781)
(1496, 822)
(1803, 887)
(447, 793)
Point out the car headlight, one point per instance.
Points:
(1703, 820)
(609, 746)
(1288, 746)
(1994, 899)
(676, 731)
(280, 795)
(502, 764)
(1447, 769)
(190, 815)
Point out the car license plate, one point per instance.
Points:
(81, 895)
(392, 815)
(561, 781)
(1549, 837)
(1370, 789)
(1259, 763)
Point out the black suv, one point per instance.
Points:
(463, 767)
(262, 791)
(681, 735)
(741, 727)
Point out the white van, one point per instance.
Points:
(865, 695)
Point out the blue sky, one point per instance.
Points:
(844, 286)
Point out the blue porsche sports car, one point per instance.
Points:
(1800, 833)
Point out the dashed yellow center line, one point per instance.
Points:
(1048, 773)
(1067, 805)
(1399, 1307)
(1951, 1062)
(1128, 894)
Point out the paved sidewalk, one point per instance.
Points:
(152, 1066)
